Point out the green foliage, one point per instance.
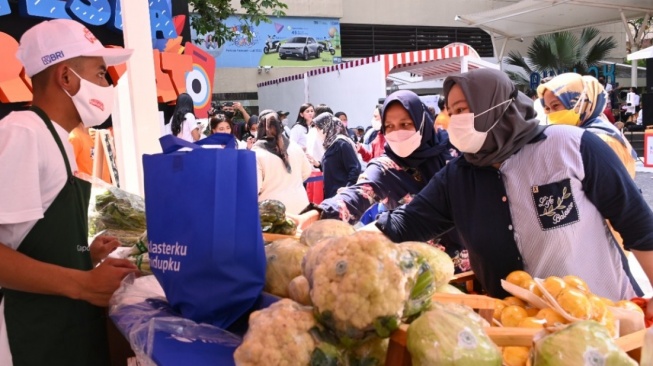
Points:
(561, 52)
(209, 16)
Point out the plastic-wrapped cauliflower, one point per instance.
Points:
(311, 259)
(439, 261)
(451, 335)
(361, 283)
(299, 290)
(581, 343)
(284, 262)
(284, 334)
(324, 229)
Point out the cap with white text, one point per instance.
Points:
(57, 40)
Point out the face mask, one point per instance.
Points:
(376, 124)
(93, 102)
(464, 136)
(564, 117)
(229, 114)
(568, 116)
(404, 142)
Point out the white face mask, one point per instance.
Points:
(376, 124)
(464, 136)
(404, 142)
(93, 102)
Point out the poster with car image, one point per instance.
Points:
(284, 42)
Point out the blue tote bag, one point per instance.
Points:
(205, 239)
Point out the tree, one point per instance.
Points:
(561, 52)
(639, 29)
(209, 16)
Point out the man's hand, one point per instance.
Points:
(238, 106)
(101, 247)
(98, 285)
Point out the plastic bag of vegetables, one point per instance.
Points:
(361, 285)
(451, 334)
(285, 333)
(582, 343)
(114, 209)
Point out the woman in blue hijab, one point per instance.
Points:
(414, 152)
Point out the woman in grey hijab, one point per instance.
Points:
(528, 197)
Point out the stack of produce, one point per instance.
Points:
(563, 305)
(115, 212)
(273, 218)
(361, 287)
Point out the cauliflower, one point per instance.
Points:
(311, 258)
(298, 290)
(451, 335)
(358, 286)
(284, 262)
(323, 229)
(283, 335)
(439, 261)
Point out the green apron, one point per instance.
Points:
(56, 330)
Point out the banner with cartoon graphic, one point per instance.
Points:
(284, 42)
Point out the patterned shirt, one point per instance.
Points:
(543, 211)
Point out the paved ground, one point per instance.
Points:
(644, 180)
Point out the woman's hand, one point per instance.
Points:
(304, 220)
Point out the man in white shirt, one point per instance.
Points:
(52, 284)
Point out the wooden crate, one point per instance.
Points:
(502, 336)
(269, 237)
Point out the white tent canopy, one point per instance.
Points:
(641, 54)
(529, 18)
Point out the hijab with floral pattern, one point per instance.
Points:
(586, 95)
(333, 129)
(516, 124)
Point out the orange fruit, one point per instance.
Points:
(553, 285)
(518, 277)
(532, 311)
(511, 300)
(512, 315)
(532, 322)
(575, 303)
(551, 316)
(599, 308)
(607, 301)
(576, 282)
(529, 285)
(499, 305)
(536, 291)
(627, 304)
(515, 356)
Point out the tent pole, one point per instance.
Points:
(503, 50)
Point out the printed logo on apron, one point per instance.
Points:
(555, 204)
